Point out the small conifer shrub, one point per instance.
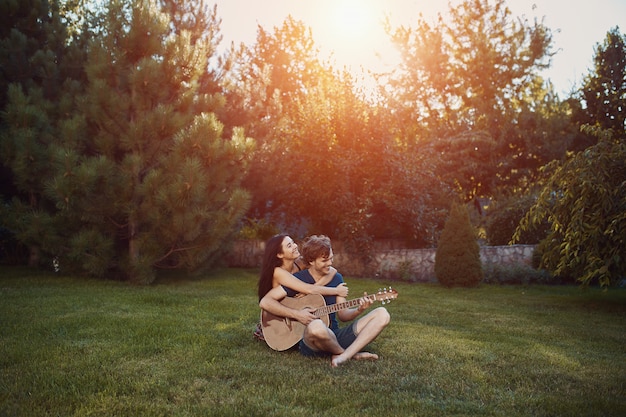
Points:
(457, 261)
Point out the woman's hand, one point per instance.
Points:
(342, 290)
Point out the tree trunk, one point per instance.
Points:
(133, 245)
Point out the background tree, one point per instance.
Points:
(463, 87)
(504, 216)
(457, 260)
(145, 179)
(584, 201)
(604, 88)
(114, 175)
(338, 141)
(262, 87)
(582, 198)
(315, 132)
(41, 59)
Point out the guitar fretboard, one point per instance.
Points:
(333, 308)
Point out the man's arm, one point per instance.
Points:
(271, 303)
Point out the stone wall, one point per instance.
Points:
(388, 262)
(419, 264)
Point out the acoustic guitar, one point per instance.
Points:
(282, 333)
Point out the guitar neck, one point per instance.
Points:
(333, 308)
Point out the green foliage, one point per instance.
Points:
(584, 200)
(457, 261)
(178, 178)
(41, 61)
(504, 216)
(33, 43)
(119, 130)
(315, 133)
(468, 87)
(129, 171)
(253, 229)
(11, 251)
(26, 138)
(604, 89)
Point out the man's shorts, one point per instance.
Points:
(345, 337)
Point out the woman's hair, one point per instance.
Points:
(273, 247)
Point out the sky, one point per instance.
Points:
(350, 30)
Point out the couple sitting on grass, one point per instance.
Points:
(283, 276)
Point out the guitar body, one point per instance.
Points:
(282, 333)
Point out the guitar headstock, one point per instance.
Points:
(386, 295)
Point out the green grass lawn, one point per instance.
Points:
(184, 347)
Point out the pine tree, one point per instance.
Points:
(457, 261)
(41, 72)
(155, 185)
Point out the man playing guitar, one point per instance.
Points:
(320, 339)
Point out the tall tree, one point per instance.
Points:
(41, 60)
(149, 182)
(463, 85)
(584, 202)
(267, 77)
(263, 87)
(326, 156)
(604, 89)
(582, 198)
(175, 189)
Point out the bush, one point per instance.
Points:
(254, 229)
(457, 261)
(517, 274)
(505, 216)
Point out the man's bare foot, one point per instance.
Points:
(338, 360)
(365, 356)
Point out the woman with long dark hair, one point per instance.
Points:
(280, 261)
